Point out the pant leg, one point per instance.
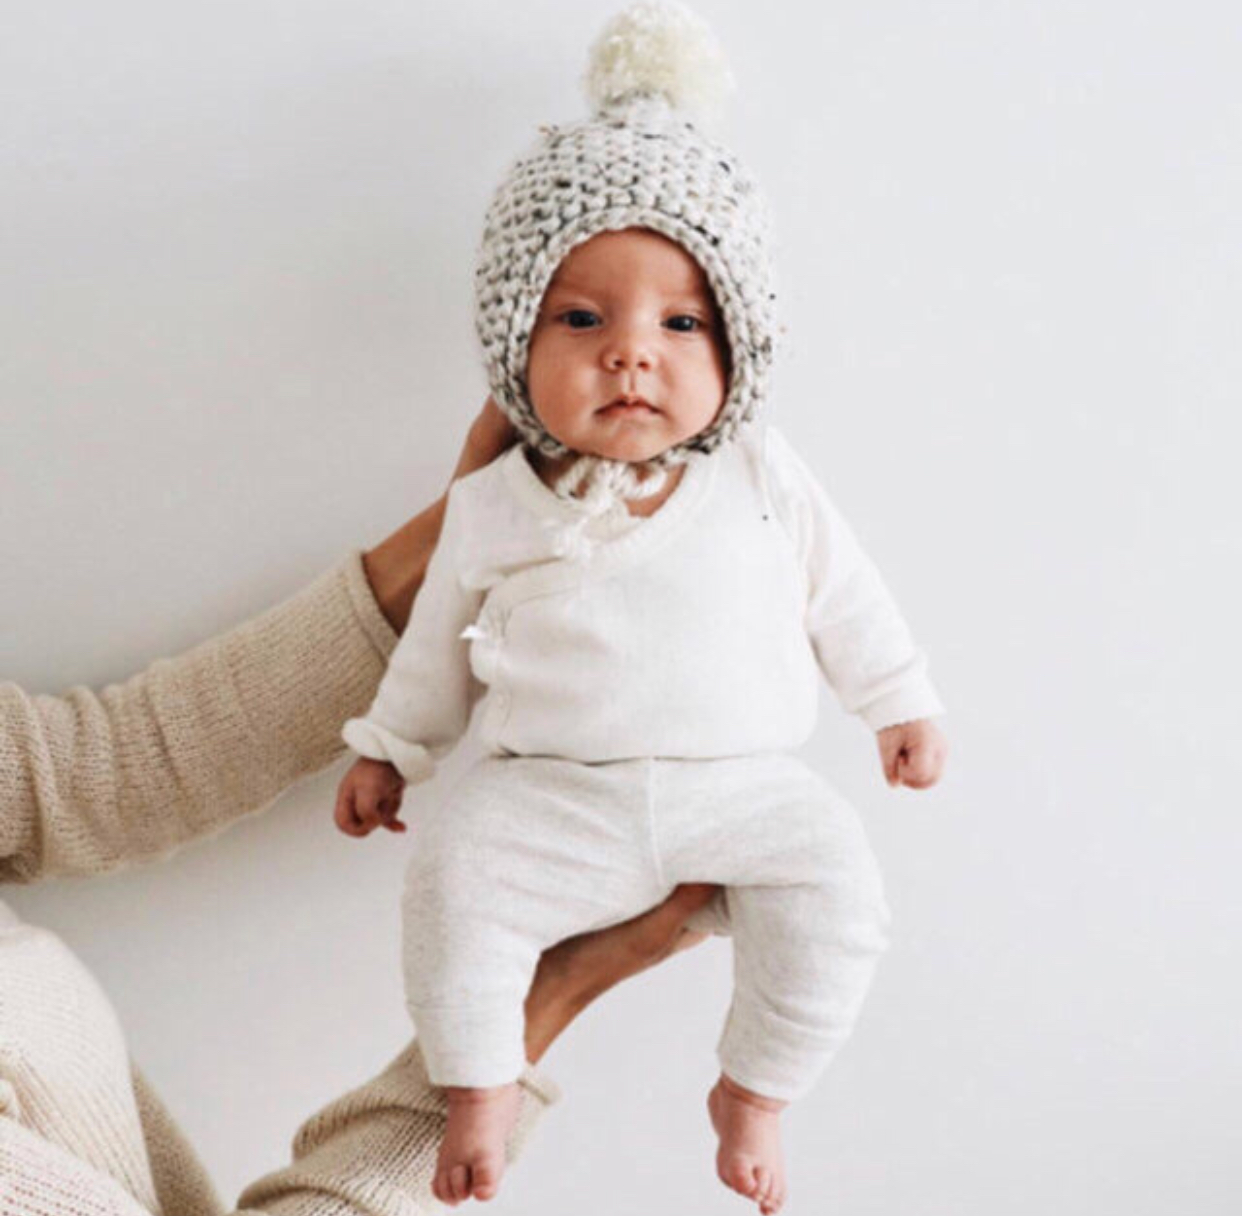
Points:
(805, 902)
(523, 852)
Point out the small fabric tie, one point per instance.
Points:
(609, 485)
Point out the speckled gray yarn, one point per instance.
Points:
(638, 162)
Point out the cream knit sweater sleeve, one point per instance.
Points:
(373, 1151)
(89, 781)
(38, 1178)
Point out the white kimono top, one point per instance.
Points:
(696, 632)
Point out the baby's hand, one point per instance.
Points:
(913, 753)
(369, 796)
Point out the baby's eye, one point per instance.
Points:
(579, 318)
(695, 323)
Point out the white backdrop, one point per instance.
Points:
(236, 341)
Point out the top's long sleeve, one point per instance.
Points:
(860, 638)
(423, 703)
(89, 781)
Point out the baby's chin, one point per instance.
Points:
(632, 444)
(630, 449)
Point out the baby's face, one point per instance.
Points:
(631, 314)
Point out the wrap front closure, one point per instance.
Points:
(609, 556)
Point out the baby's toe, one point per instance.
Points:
(776, 1200)
(459, 1183)
(443, 1189)
(485, 1180)
(738, 1174)
(763, 1186)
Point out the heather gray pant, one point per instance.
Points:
(528, 850)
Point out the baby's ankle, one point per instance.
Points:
(464, 1096)
(471, 1160)
(759, 1101)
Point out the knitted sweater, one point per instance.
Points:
(89, 782)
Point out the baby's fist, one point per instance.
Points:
(913, 753)
(369, 796)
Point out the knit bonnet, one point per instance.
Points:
(641, 160)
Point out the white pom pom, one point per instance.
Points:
(658, 46)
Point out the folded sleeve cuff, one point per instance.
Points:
(907, 704)
(412, 760)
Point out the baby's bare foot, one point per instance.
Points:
(750, 1159)
(472, 1156)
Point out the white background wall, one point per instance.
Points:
(236, 341)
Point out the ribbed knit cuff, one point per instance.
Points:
(303, 667)
(370, 617)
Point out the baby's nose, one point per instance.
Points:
(629, 348)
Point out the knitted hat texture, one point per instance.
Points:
(640, 161)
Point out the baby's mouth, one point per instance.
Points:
(628, 406)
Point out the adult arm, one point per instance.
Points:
(89, 781)
(38, 1178)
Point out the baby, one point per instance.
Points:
(639, 599)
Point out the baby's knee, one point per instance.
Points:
(842, 865)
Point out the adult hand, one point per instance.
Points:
(571, 974)
(396, 567)
(490, 434)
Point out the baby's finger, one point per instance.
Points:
(388, 811)
(340, 812)
(890, 755)
(345, 815)
(919, 768)
(366, 806)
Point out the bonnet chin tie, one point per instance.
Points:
(609, 484)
